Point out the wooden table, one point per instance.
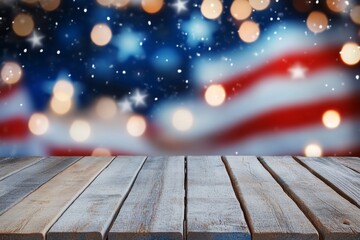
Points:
(194, 197)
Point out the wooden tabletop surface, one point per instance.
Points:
(177, 197)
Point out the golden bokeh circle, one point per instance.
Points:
(152, 6)
(317, 22)
(11, 72)
(23, 24)
(101, 34)
(240, 9)
(249, 31)
(211, 9)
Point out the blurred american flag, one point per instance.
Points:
(179, 77)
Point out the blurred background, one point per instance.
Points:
(114, 77)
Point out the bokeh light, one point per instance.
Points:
(23, 24)
(101, 152)
(317, 22)
(11, 73)
(101, 34)
(136, 125)
(182, 119)
(313, 150)
(120, 3)
(249, 31)
(63, 90)
(355, 14)
(106, 3)
(240, 9)
(152, 6)
(60, 107)
(337, 5)
(211, 9)
(350, 53)
(50, 5)
(215, 95)
(259, 4)
(38, 124)
(331, 119)
(80, 130)
(106, 108)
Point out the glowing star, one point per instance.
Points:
(129, 44)
(35, 40)
(139, 98)
(125, 106)
(297, 72)
(180, 6)
(199, 30)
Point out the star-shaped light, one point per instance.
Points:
(297, 71)
(139, 98)
(180, 6)
(125, 105)
(199, 30)
(35, 39)
(129, 44)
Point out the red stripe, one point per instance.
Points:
(14, 128)
(349, 151)
(312, 61)
(287, 118)
(76, 151)
(7, 90)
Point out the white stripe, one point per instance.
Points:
(17, 103)
(268, 95)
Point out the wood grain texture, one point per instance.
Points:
(271, 213)
(350, 162)
(12, 165)
(154, 208)
(333, 216)
(17, 186)
(35, 214)
(90, 216)
(213, 211)
(344, 180)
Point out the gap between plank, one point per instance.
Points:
(277, 179)
(185, 200)
(327, 182)
(238, 196)
(79, 193)
(125, 197)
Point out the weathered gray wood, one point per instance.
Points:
(34, 215)
(12, 165)
(271, 213)
(350, 162)
(213, 211)
(17, 186)
(154, 208)
(90, 216)
(333, 216)
(342, 179)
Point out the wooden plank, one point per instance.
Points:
(350, 162)
(34, 215)
(90, 216)
(332, 215)
(344, 180)
(271, 213)
(154, 208)
(11, 165)
(213, 211)
(17, 186)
